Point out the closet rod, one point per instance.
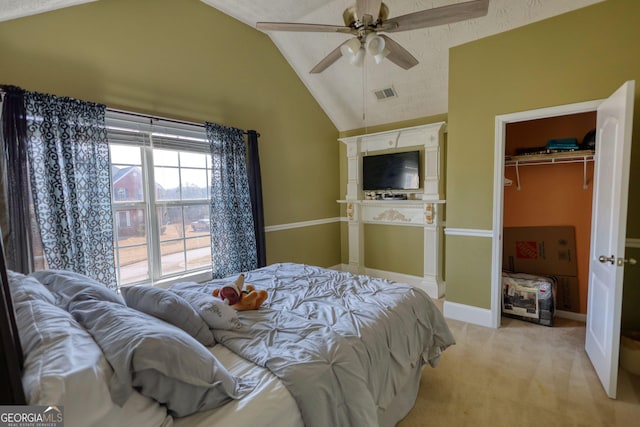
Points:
(585, 185)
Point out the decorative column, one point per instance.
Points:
(354, 195)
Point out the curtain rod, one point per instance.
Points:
(183, 122)
(115, 110)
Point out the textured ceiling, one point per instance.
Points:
(345, 92)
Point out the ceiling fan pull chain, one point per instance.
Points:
(364, 93)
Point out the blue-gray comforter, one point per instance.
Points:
(341, 343)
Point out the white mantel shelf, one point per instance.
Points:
(424, 212)
(411, 213)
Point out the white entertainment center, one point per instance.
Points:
(422, 208)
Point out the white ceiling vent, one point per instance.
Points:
(385, 93)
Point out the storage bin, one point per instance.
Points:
(529, 297)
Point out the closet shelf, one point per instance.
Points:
(582, 156)
(550, 158)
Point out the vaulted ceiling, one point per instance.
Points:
(344, 91)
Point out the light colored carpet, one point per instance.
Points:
(521, 374)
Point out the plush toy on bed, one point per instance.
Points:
(240, 296)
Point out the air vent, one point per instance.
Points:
(385, 93)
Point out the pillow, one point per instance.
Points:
(25, 288)
(163, 362)
(215, 312)
(169, 307)
(68, 286)
(64, 366)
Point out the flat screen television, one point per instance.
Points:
(395, 171)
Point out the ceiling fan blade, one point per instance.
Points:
(332, 57)
(301, 27)
(437, 16)
(368, 7)
(398, 55)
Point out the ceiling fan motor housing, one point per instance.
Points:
(351, 19)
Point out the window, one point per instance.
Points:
(161, 174)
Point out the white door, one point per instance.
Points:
(608, 233)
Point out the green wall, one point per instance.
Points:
(580, 56)
(394, 248)
(185, 60)
(472, 256)
(309, 245)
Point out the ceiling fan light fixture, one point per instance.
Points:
(353, 51)
(358, 58)
(375, 44)
(351, 47)
(380, 56)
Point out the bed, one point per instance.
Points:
(326, 348)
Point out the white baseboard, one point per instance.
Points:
(571, 315)
(468, 313)
(431, 287)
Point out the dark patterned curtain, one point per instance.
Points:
(15, 220)
(255, 189)
(233, 244)
(71, 184)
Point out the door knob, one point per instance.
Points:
(604, 259)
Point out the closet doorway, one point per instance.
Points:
(550, 187)
(608, 222)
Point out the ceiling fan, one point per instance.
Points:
(367, 18)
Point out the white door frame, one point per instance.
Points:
(498, 188)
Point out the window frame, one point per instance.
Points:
(149, 133)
